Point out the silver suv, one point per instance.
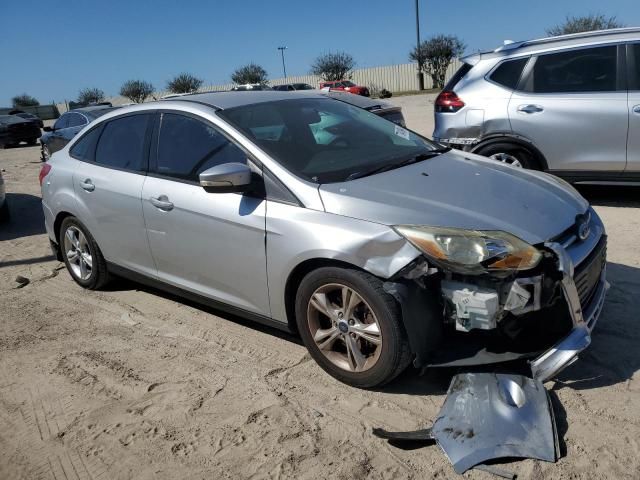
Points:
(569, 105)
(307, 213)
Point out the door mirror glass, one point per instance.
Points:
(226, 177)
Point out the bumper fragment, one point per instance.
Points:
(566, 351)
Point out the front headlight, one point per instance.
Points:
(472, 249)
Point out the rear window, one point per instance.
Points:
(85, 148)
(508, 73)
(459, 75)
(584, 70)
(122, 143)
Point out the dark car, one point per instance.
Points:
(67, 126)
(30, 117)
(293, 86)
(14, 130)
(380, 108)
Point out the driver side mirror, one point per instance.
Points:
(227, 177)
(47, 129)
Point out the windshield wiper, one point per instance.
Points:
(391, 166)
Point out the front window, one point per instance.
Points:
(324, 140)
(347, 83)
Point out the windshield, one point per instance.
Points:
(324, 140)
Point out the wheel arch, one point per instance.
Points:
(58, 222)
(295, 277)
(516, 140)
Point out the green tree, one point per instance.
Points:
(24, 100)
(90, 95)
(333, 66)
(136, 90)
(587, 23)
(250, 73)
(435, 54)
(184, 83)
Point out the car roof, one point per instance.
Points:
(226, 100)
(562, 41)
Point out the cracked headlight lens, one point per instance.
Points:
(471, 249)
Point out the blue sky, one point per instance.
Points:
(103, 43)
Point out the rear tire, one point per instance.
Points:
(381, 349)
(32, 141)
(511, 154)
(81, 255)
(46, 154)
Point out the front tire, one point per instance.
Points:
(351, 326)
(81, 255)
(511, 154)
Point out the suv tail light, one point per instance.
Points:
(448, 102)
(44, 171)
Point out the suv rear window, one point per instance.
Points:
(508, 73)
(459, 75)
(584, 70)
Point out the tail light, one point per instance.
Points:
(44, 171)
(448, 102)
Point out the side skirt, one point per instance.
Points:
(194, 297)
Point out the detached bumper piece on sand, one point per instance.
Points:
(487, 416)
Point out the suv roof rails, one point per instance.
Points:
(509, 45)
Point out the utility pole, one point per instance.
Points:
(284, 69)
(419, 74)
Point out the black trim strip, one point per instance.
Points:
(596, 176)
(194, 297)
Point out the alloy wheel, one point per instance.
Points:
(78, 253)
(344, 327)
(507, 158)
(46, 155)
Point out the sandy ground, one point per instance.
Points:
(133, 383)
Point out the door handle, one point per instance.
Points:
(636, 109)
(530, 108)
(162, 202)
(88, 185)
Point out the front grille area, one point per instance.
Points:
(587, 274)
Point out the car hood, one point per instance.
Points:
(461, 190)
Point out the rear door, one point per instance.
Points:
(633, 139)
(572, 105)
(108, 184)
(209, 243)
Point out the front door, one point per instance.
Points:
(573, 106)
(209, 243)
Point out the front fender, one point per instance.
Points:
(297, 234)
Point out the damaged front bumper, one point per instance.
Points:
(476, 320)
(566, 351)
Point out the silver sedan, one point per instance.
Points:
(379, 247)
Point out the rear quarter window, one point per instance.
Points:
(508, 73)
(459, 75)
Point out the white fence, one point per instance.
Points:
(395, 78)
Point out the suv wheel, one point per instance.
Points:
(511, 154)
(351, 326)
(81, 255)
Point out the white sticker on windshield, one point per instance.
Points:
(401, 132)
